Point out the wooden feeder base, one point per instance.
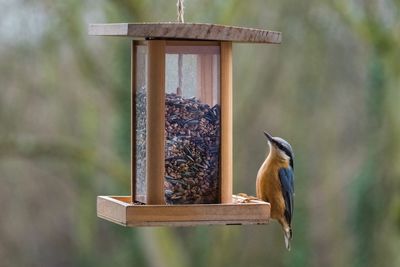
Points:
(120, 210)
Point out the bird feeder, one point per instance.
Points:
(181, 145)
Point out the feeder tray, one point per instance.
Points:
(121, 210)
(181, 145)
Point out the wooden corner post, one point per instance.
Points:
(226, 123)
(155, 122)
(133, 121)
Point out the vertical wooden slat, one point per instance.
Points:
(133, 121)
(205, 74)
(226, 123)
(155, 122)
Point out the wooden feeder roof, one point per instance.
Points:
(190, 31)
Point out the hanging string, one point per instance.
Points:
(180, 19)
(180, 7)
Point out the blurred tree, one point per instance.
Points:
(375, 190)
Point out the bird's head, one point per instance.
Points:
(281, 148)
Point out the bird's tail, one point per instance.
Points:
(288, 237)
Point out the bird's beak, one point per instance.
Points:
(269, 137)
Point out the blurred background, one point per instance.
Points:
(332, 89)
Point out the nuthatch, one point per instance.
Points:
(275, 183)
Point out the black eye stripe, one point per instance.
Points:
(287, 151)
(284, 149)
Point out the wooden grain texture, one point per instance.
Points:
(194, 31)
(120, 210)
(133, 119)
(205, 78)
(155, 122)
(226, 123)
(193, 43)
(112, 209)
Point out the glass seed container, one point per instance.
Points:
(188, 94)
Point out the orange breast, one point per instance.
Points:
(268, 186)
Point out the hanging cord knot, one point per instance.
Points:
(180, 10)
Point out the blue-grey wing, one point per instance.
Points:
(287, 182)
